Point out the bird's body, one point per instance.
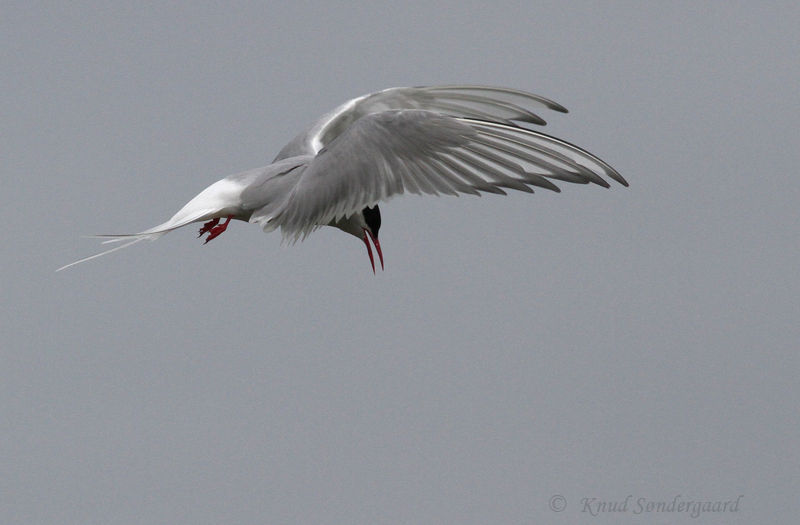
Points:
(431, 140)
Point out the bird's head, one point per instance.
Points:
(365, 226)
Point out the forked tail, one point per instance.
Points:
(129, 239)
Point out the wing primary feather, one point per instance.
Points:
(530, 143)
(508, 93)
(519, 136)
(467, 174)
(500, 178)
(579, 169)
(441, 182)
(443, 172)
(553, 171)
(609, 171)
(424, 181)
(396, 182)
(510, 110)
(409, 182)
(526, 176)
(458, 110)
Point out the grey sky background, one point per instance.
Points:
(593, 343)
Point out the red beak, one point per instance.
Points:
(368, 235)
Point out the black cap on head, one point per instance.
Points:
(372, 216)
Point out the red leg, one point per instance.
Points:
(208, 226)
(218, 229)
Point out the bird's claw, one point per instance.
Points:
(207, 227)
(214, 229)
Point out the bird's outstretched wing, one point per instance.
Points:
(493, 104)
(420, 151)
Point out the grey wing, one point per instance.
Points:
(388, 153)
(494, 104)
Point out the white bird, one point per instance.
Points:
(433, 140)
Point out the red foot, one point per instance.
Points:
(208, 226)
(215, 229)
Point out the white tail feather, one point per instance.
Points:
(150, 234)
(95, 256)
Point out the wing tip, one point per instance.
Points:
(619, 178)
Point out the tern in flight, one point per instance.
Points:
(433, 140)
